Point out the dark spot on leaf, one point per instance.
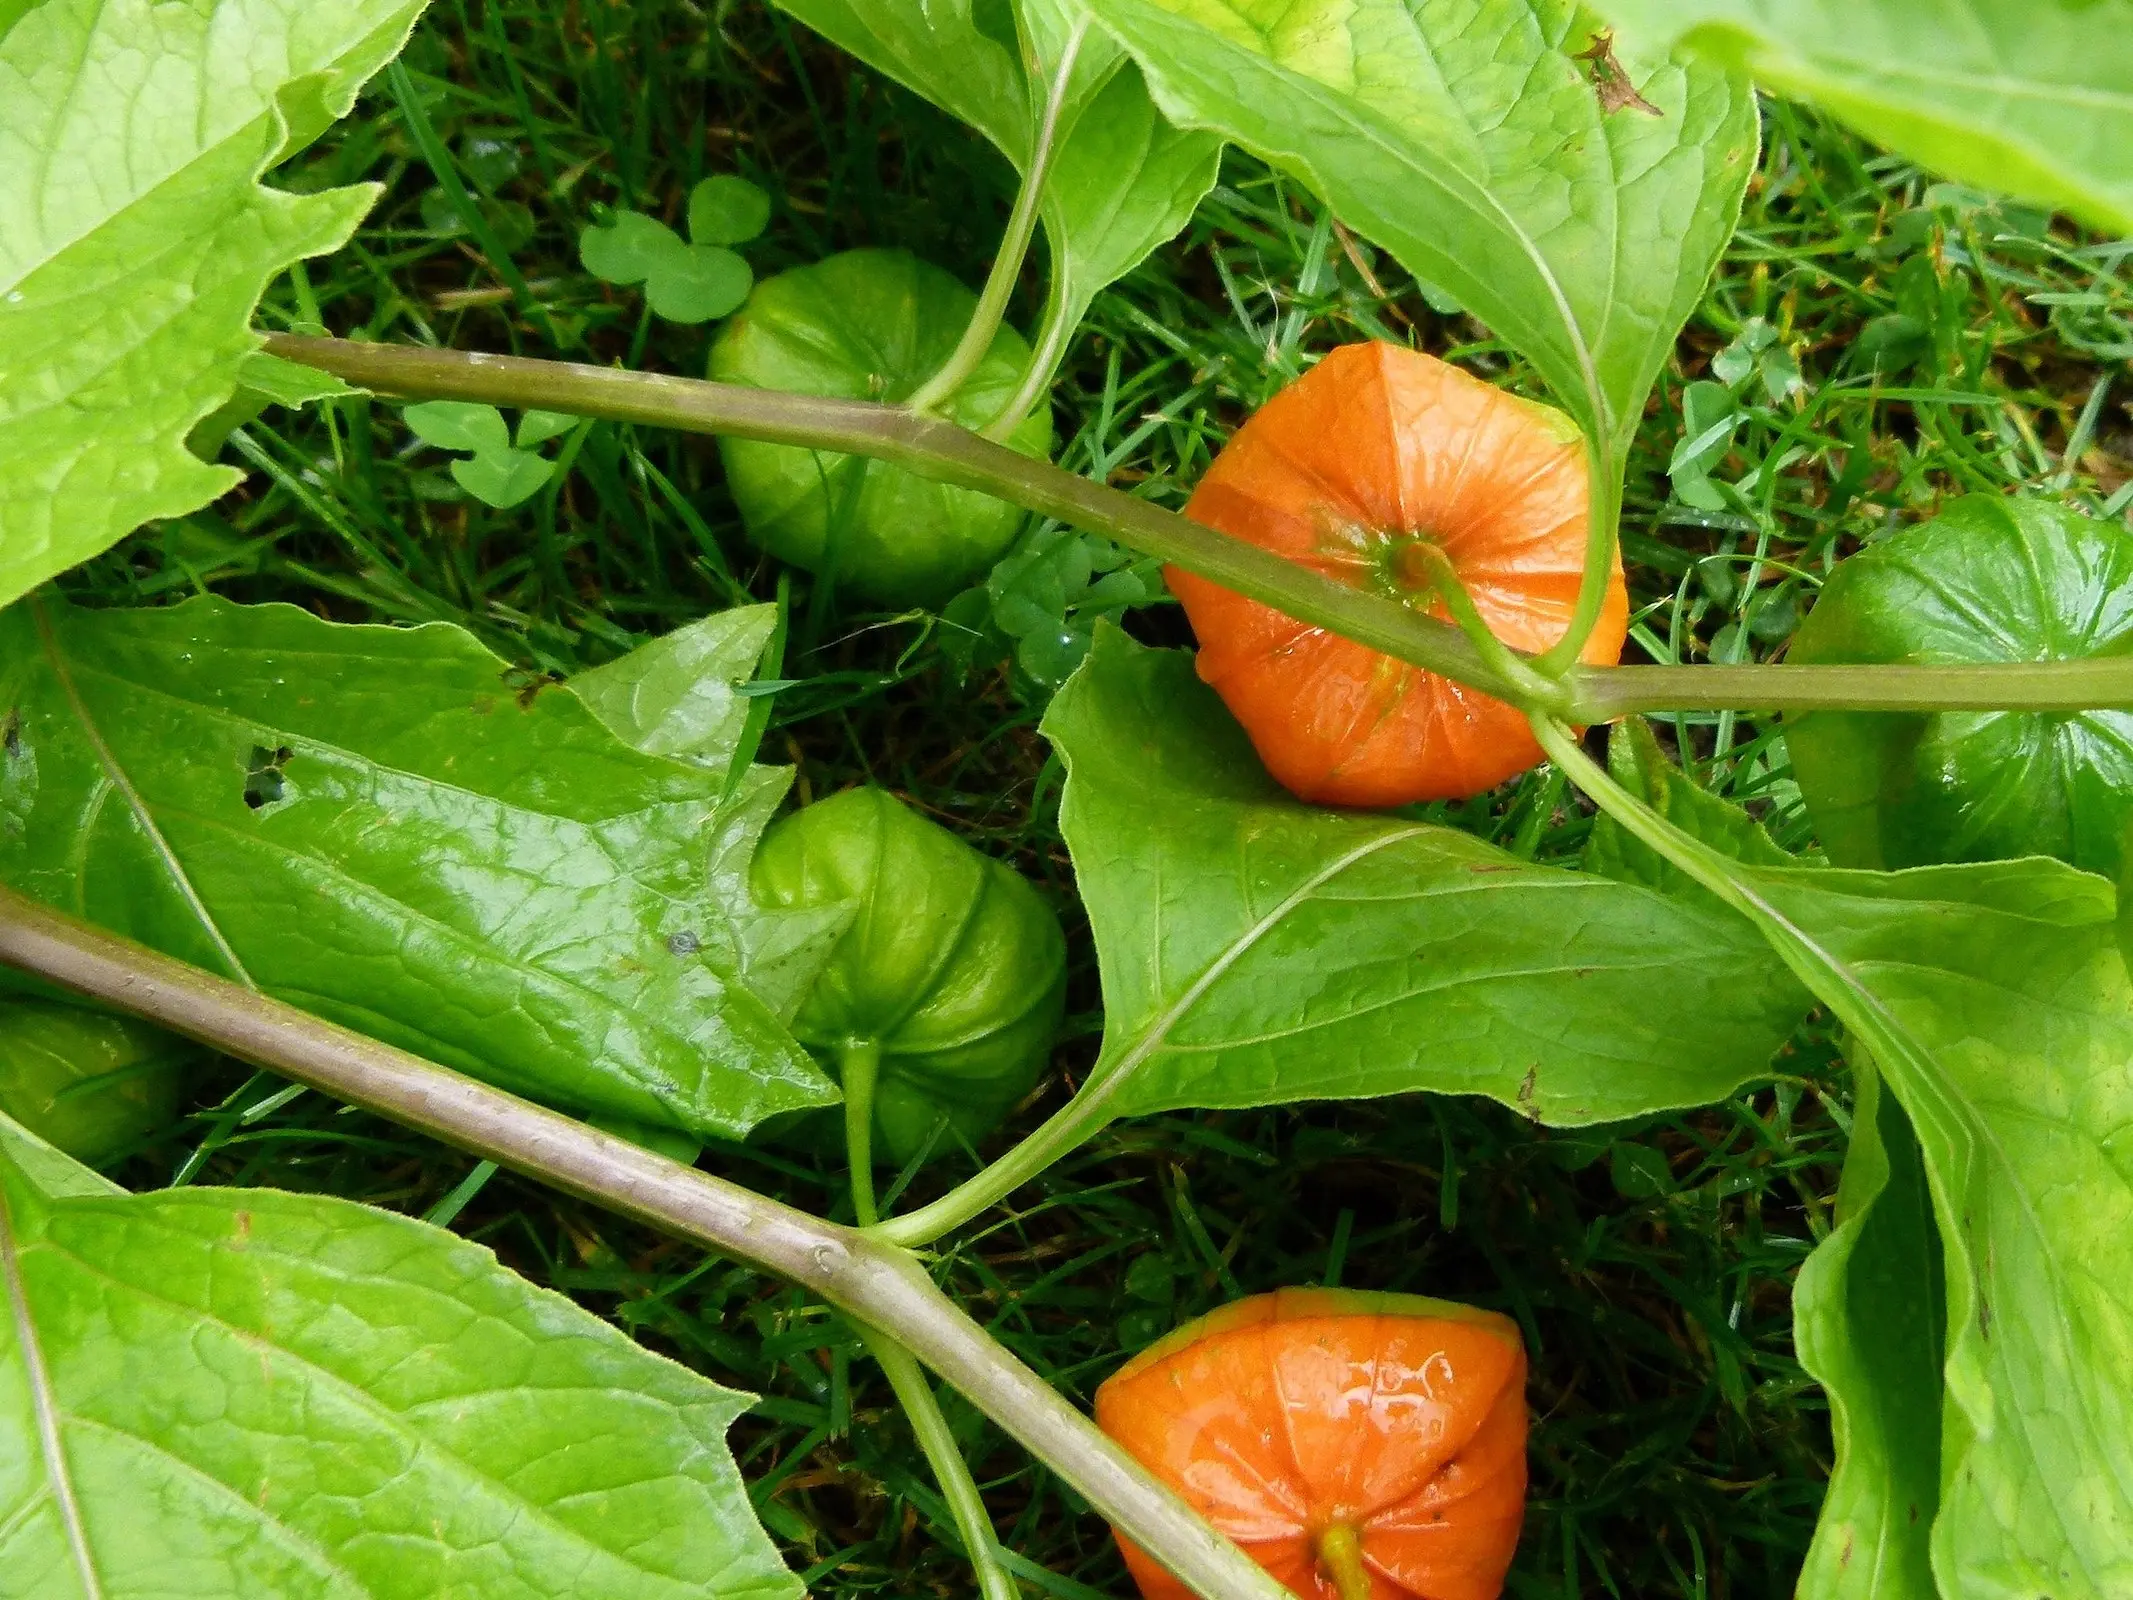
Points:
(684, 943)
(526, 684)
(1984, 1318)
(263, 781)
(1844, 1556)
(1610, 81)
(482, 705)
(1528, 1096)
(11, 733)
(1495, 866)
(244, 1228)
(1914, 1512)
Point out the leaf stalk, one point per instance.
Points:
(1000, 282)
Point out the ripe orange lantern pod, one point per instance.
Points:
(1376, 453)
(1358, 1446)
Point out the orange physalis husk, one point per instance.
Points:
(1358, 1446)
(1375, 450)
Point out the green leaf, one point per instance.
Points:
(679, 695)
(1998, 1010)
(724, 209)
(1123, 180)
(1255, 950)
(1990, 579)
(93, 1084)
(703, 281)
(213, 1393)
(1465, 139)
(290, 383)
(135, 240)
(538, 427)
(458, 425)
(628, 248)
(1869, 1320)
(505, 479)
(2032, 97)
(395, 829)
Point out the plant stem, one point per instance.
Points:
(1340, 1552)
(950, 1470)
(870, 1282)
(858, 1065)
(1603, 499)
(929, 446)
(1014, 246)
(1601, 694)
(1064, 1131)
(938, 449)
(1046, 352)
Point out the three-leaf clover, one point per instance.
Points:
(683, 282)
(495, 472)
(1041, 605)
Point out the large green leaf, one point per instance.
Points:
(135, 240)
(1123, 180)
(1463, 137)
(395, 829)
(1869, 1319)
(221, 1393)
(1995, 1003)
(2034, 97)
(1256, 950)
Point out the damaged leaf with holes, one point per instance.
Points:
(395, 829)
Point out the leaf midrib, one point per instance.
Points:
(59, 1478)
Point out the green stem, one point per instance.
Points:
(1601, 694)
(1602, 518)
(858, 1069)
(1691, 855)
(1060, 320)
(858, 1065)
(950, 1470)
(929, 446)
(1340, 1552)
(868, 1281)
(1437, 569)
(1014, 246)
(1058, 1136)
(937, 449)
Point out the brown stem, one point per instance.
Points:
(875, 1283)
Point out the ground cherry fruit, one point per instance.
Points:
(1375, 452)
(1358, 1446)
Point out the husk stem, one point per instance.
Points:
(939, 449)
(991, 310)
(868, 1281)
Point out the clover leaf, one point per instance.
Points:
(494, 470)
(688, 282)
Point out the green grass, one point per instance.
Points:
(1678, 1449)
